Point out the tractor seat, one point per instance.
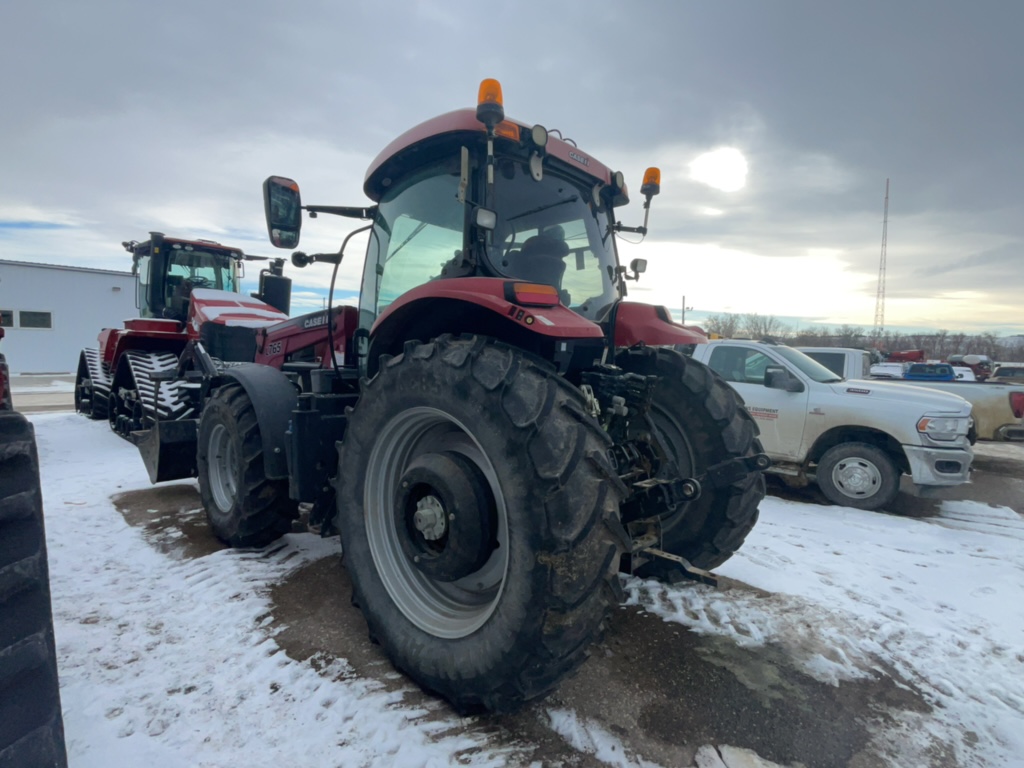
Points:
(540, 260)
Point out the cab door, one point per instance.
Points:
(781, 415)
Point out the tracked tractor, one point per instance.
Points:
(187, 291)
(496, 432)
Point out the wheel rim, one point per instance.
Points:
(221, 461)
(444, 609)
(856, 477)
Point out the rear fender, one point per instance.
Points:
(114, 342)
(273, 398)
(483, 306)
(645, 323)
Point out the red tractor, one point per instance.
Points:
(188, 296)
(495, 432)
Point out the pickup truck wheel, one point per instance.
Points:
(244, 507)
(858, 475)
(479, 520)
(699, 421)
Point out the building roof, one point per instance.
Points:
(65, 267)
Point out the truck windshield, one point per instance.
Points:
(552, 232)
(810, 368)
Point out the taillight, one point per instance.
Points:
(1017, 404)
(532, 294)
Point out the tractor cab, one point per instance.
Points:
(169, 269)
(554, 231)
(523, 210)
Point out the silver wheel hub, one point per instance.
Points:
(856, 477)
(430, 519)
(441, 606)
(221, 462)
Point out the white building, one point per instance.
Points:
(50, 313)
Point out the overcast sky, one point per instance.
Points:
(775, 124)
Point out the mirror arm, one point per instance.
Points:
(347, 211)
(620, 227)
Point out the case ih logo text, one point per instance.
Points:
(581, 159)
(313, 322)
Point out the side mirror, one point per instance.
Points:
(777, 377)
(282, 206)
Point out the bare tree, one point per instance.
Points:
(764, 326)
(725, 324)
(849, 336)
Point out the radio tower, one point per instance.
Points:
(880, 298)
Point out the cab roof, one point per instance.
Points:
(443, 129)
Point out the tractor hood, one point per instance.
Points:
(226, 308)
(928, 400)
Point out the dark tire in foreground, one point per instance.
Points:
(479, 520)
(31, 727)
(244, 507)
(858, 475)
(700, 420)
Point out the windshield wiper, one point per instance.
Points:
(540, 208)
(419, 228)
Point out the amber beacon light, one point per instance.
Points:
(490, 109)
(652, 182)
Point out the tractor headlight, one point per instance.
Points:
(943, 427)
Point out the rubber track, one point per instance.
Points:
(95, 406)
(171, 397)
(575, 548)
(31, 728)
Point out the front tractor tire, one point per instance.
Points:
(244, 507)
(479, 520)
(858, 475)
(699, 421)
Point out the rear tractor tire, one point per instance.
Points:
(699, 421)
(479, 519)
(244, 507)
(858, 475)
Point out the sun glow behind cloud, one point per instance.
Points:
(724, 169)
(722, 280)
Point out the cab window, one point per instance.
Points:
(739, 365)
(417, 231)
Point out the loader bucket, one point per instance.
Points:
(168, 449)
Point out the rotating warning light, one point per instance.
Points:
(652, 182)
(490, 109)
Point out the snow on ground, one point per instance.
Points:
(1000, 450)
(938, 600)
(169, 662)
(163, 662)
(42, 384)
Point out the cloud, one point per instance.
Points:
(128, 117)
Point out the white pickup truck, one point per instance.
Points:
(997, 408)
(854, 438)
